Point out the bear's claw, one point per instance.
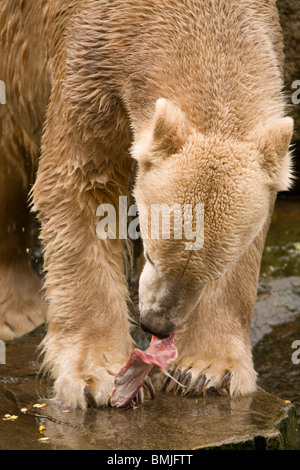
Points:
(225, 382)
(200, 385)
(167, 380)
(90, 399)
(199, 388)
(187, 379)
(150, 387)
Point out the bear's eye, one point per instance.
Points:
(148, 258)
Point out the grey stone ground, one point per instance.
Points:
(261, 421)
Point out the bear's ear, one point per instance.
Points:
(165, 135)
(273, 144)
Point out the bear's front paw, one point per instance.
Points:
(94, 390)
(83, 371)
(196, 377)
(75, 389)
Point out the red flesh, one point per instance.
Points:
(160, 353)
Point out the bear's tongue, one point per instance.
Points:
(160, 353)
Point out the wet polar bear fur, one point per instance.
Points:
(190, 93)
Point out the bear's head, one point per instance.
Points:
(202, 200)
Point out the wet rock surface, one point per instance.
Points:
(278, 302)
(260, 421)
(276, 320)
(274, 362)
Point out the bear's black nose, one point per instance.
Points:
(159, 335)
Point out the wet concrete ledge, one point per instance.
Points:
(260, 421)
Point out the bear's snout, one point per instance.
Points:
(156, 324)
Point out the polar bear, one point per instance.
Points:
(183, 101)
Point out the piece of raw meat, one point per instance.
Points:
(160, 353)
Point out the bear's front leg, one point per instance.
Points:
(214, 349)
(88, 337)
